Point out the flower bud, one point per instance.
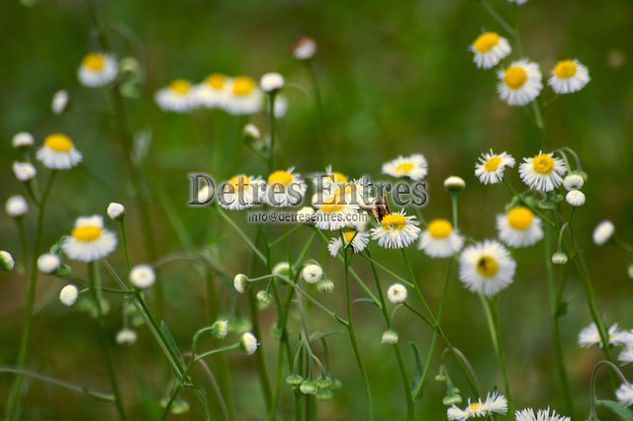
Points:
(312, 273)
(248, 342)
(454, 184)
(116, 210)
(271, 82)
(22, 140)
(325, 286)
(16, 206)
(126, 337)
(68, 295)
(6, 261)
(390, 337)
(142, 276)
(240, 282)
(48, 263)
(559, 258)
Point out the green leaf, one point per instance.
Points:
(418, 371)
(171, 343)
(622, 412)
(365, 300)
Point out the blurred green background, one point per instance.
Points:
(396, 78)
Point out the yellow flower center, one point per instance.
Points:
(215, 81)
(58, 142)
(543, 163)
(405, 167)
(565, 69)
(180, 86)
(440, 228)
(515, 77)
(94, 62)
(475, 406)
(280, 177)
(520, 218)
(492, 163)
(331, 206)
(395, 221)
(348, 235)
(243, 85)
(336, 177)
(86, 233)
(487, 266)
(239, 181)
(486, 41)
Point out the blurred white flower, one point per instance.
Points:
(603, 232)
(249, 343)
(573, 182)
(142, 276)
(489, 49)
(126, 337)
(625, 394)
(312, 273)
(439, 239)
(115, 210)
(16, 206)
(530, 414)
(397, 293)
(24, 171)
(97, 69)
(48, 263)
(454, 183)
(569, 76)
(304, 48)
(519, 227)
(240, 282)
(22, 140)
(59, 101)
(575, 198)
(271, 82)
(58, 152)
(389, 337)
(88, 240)
(493, 404)
(176, 97)
(6, 261)
(68, 295)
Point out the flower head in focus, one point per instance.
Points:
(489, 49)
(520, 83)
(491, 166)
(542, 172)
(569, 76)
(88, 240)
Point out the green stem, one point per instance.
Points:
(272, 122)
(93, 278)
(497, 342)
(497, 17)
(12, 408)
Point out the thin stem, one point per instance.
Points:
(93, 278)
(272, 122)
(497, 17)
(241, 233)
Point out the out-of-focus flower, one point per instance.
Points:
(97, 69)
(493, 404)
(569, 76)
(489, 49)
(575, 198)
(59, 101)
(397, 293)
(58, 152)
(176, 97)
(22, 140)
(126, 337)
(414, 167)
(16, 206)
(115, 210)
(68, 295)
(249, 344)
(142, 276)
(304, 48)
(6, 261)
(24, 171)
(48, 263)
(603, 232)
(244, 97)
(271, 82)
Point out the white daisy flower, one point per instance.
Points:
(16, 206)
(329, 180)
(241, 192)
(59, 101)
(625, 394)
(413, 166)
(177, 97)
(590, 336)
(530, 414)
(303, 48)
(244, 96)
(126, 337)
(489, 49)
(335, 212)
(97, 69)
(491, 166)
(486, 267)
(213, 92)
(603, 232)
(271, 82)
(24, 171)
(575, 198)
(493, 404)
(439, 239)
(58, 152)
(248, 342)
(48, 263)
(357, 239)
(397, 293)
(115, 210)
(542, 172)
(89, 241)
(396, 231)
(520, 82)
(519, 227)
(569, 76)
(68, 295)
(142, 276)
(22, 140)
(626, 356)
(312, 273)
(285, 188)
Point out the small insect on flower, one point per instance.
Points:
(520, 82)
(358, 240)
(590, 336)
(569, 76)
(491, 166)
(241, 191)
(396, 231)
(397, 293)
(413, 166)
(486, 267)
(244, 96)
(248, 342)
(142, 276)
(519, 227)
(48, 263)
(68, 295)
(312, 273)
(240, 282)
(24, 171)
(285, 188)
(88, 240)
(126, 337)
(454, 184)
(177, 97)
(304, 48)
(575, 198)
(493, 404)
(16, 206)
(6, 261)
(271, 82)
(213, 92)
(389, 337)
(115, 211)
(439, 239)
(58, 152)
(97, 69)
(22, 140)
(59, 101)
(603, 232)
(489, 49)
(573, 181)
(530, 414)
(625, 394)
(542, 172)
